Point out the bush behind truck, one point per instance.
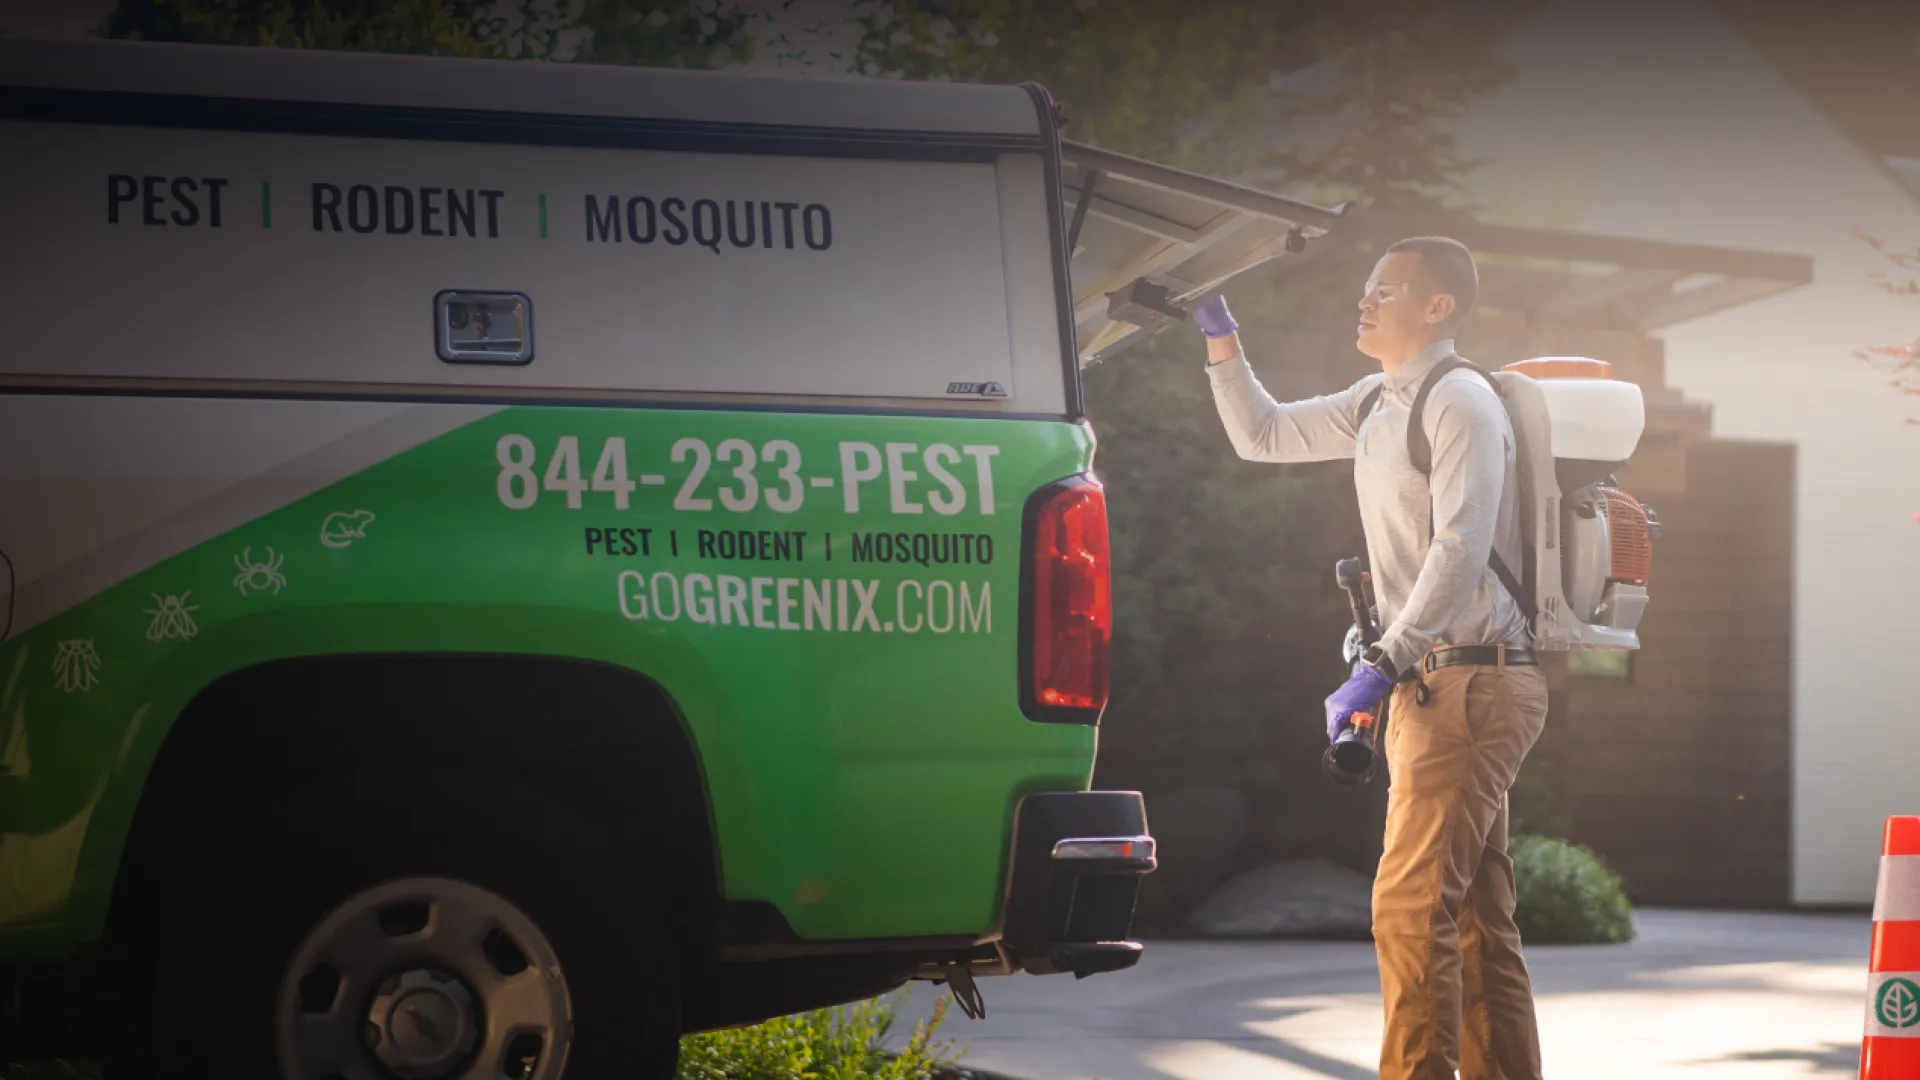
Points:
(509, 564)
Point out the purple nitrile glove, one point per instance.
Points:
(1362, 693)
(1213, 319)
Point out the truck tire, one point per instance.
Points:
(394, 926)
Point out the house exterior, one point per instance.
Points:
(1664, 120)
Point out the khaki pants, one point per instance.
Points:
(1455, 986)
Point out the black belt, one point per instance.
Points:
(1485, 655)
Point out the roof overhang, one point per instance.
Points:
(1149, 241)
(1616, 282)
(1906, 170)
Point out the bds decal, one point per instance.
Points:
(977, 389)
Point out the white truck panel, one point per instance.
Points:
(878, 278)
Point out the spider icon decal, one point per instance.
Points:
(258, 575)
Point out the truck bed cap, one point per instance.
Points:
(496, 86)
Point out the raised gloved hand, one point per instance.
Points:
(1363, 692)
(1213, 319)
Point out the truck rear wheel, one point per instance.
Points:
(424, 975)
(391, 928)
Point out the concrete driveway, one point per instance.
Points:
(1740, 996)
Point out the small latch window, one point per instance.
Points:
(483, 327)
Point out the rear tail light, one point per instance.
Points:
(1068, 624)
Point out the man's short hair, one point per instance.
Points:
(1448, 267)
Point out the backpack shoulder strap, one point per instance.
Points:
(1418, 447)
(1421, 451)
(1511, 582)
(1368, 402)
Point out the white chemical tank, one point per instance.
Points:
(1595, 417)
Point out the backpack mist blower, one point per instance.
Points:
(1586, 545)
(1352, 759)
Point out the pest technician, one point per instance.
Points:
(1468, 697)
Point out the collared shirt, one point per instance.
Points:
(1427, 540)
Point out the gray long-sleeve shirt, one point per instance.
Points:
(1433, 592)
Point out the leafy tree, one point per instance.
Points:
(1195, 83)
(427, 27)
(668, 33)
(1158, 77)
(653, 33)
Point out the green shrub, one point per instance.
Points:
(1567, 895)
(847, 1043)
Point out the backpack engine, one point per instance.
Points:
(1589, 545)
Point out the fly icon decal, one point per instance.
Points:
(258, 575)
(76, 667)
(172, 617)
(342, 529)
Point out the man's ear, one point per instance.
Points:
(1440, 308)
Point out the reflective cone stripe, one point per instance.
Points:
(1890, 1049)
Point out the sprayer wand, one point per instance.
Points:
(1352, 759)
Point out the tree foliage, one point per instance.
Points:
(668, 33)
(1210, 85)
(650, 33)
(425, 27)
(1156, 77)
(1902, 361)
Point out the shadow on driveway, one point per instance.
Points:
(1833, 1057)
(1696, 994)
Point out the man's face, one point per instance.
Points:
(1398, 313)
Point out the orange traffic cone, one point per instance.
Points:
(1891, 1048)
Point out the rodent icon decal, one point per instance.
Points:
(341, 529)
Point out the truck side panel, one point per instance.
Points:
(830, 600)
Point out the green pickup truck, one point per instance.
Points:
(504, 565)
